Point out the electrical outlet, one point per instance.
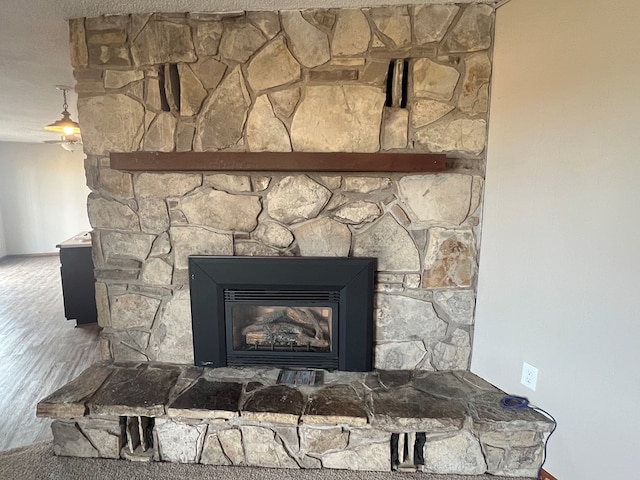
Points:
(529, 376)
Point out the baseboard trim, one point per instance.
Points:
(31, 255)
(544, 475)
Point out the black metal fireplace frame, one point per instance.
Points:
(352, 278)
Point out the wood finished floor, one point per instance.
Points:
(40, 350)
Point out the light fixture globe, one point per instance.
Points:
(65, 125)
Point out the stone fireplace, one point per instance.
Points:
(377, 81)
(387, 79)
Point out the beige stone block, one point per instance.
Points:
(309, 44)
(110, 123)
(267, 22)
(474, 97)
(271, 417)
(162, 185)
(262, 449)
(172, 338)
(454, 353)
(394, 23)
(160, 135)
(179, 442)
(122, 245)
(322, 440)
(351, 34)
(400, 318)
(228, 183)
(395, 128)
(462, 134)
(207, 37)
(450, 259)
(272, 67)
(323, 238)
(373, 457)
(349, 121)
(434, 80)
(273, 234)
(209, 71)
(459, 454)
(221, 210)
(357, 213)
(240, 41)
(424, 112)
(116, 183)
(162, 42)
(231, 442)
(296, 198)
(362, 184)
(285, 101)
(264, 131)
(133, 311)
(390, 243)
(432, 21)
(221, 121)
(473, 30)
(436, 199)
(399, 356)
(79, 54)
(192, 93)
(212, 453)
(193, 240)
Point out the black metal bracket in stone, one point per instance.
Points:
(395, 456)
(418, 448)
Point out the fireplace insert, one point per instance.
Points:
(301, 312)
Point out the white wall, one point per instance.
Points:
(43, 196)
(560, 259)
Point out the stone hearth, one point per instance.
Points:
(452, 422)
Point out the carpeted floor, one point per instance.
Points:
(37, 462)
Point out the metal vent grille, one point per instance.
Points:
(281, 295)
(291, 360)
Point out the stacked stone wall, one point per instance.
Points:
(406, 78)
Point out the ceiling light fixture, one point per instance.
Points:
(65, 125)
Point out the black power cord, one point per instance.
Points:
(514, 402)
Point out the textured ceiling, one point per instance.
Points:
(34, 52)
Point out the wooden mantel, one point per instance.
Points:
(279, 162)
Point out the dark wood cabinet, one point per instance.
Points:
(78, 284)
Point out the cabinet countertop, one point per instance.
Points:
(82, 239)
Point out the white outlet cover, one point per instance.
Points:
(529, 376)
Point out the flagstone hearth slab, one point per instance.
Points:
(277, 404)
(449, 385)
(407, 408)
(488, 415)
(141, 391)
(334, 405)
(207, 399)
(70, 400)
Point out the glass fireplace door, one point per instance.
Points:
(281, 328)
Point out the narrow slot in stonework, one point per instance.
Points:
(170, 88)
(164, 104)
(139, 433)
(397, 83)
(407, 451)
